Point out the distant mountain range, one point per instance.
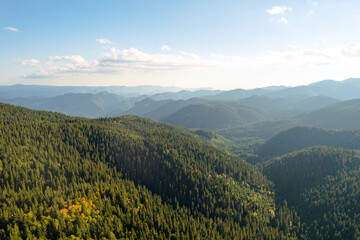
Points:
(78, 104)
(329, 104)
(343, 90)
(341, 115)
(184, 95)
(19, 90)
(216, 114)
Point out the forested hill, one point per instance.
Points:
(128, 177)
(303, 137)
(342, 115)
(323, 185)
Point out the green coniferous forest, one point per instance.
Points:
(323, 185)
(127, 178)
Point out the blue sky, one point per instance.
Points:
(214, 44)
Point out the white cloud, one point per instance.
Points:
(38, 74)
(11, 29)
(28, 62)
(165, 48)
(132, 60)
(75, 59)
(351, 49)
(59, 65)
(121, 61)
(278, 10)
(70, 64)
(283, 20)
(103, 41)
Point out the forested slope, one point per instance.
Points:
(128, 178)
(303, 137)
(323, 185)
(342, 115)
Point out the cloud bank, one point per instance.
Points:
(133, 60)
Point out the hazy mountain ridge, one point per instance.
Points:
(47, 91)
(79, 104)
(211, 114)
(184, 95)
(343, 90)
(340, 115)
(240, 106)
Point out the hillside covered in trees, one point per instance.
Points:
(127, 178)
(303, 137)
(323, 186)
(133, 178)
